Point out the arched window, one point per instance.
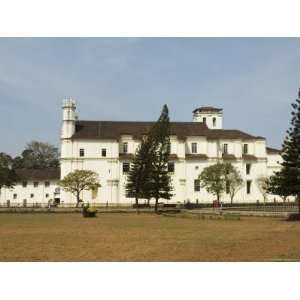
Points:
(214, 122)
(204, 120)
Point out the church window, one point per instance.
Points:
(249, 186)
(47, 183)
(36, 184)
(227, 187)
(225, 148)
(194, 147)
(197, 185)
(126, 167)
(204, 120)
(248, 168)
(214, 122)
(103, 152)
(125, 147)
(81, 152)
(15, 196)
(47, 195)
(245, 149)
(31, 195)
(171, 167)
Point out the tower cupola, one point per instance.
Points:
(211, 116)
(69, 118)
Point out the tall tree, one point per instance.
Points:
(37, 155)
(213, 179)
(138, 183)
(263, 183)
(78, 181)
(234, 181)
(288, 178)
(160, 181)
(8, 176)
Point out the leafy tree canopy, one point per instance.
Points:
(78, 181)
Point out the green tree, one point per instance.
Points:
(234, 181)
(213, 179)
(8, 177)
(263, 183)
(37, 155)
(288, 178)
(138, 183)
(160, 181)
(78, 181)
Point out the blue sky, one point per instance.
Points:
(253, 79)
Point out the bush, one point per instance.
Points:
(293, 217)
(89, 212)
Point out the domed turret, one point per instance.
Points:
(211, 116)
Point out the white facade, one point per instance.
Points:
(34, 192)
(191, 154)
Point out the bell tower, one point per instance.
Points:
(69, 118)
(211, 116)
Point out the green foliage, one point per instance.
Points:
(215, 178)
(37, 155)
(137, 185)
(160, 181)
(149, 177)
(263, 184)
(8, 176)
(287, 181)
(78, 181)
(233, 179)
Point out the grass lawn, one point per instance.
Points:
(145, 237)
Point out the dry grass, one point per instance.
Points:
(130, 237)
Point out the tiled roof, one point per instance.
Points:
(207, 109)
(273, 151)
(45, 174)
(114, 129)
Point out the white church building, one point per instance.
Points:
(108, 147)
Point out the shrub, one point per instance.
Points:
(293, 217)
(89, 212)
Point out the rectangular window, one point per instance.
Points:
(248, 168)
(249, 186)
(36, 184)
(103, 152)
(197, 185)
(81, 152)
(125, 147)
(24, 184)
(204, 120)
(126, 167)
(31, 195)
(47, 183)
(227, 187)
(194, 147)
(169, 148)
(245, 149)
(15, 196)
(225, 148)
(171, 167)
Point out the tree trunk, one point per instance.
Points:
(137, 204)
(156, 206)
(78, 199)
(231, 201)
